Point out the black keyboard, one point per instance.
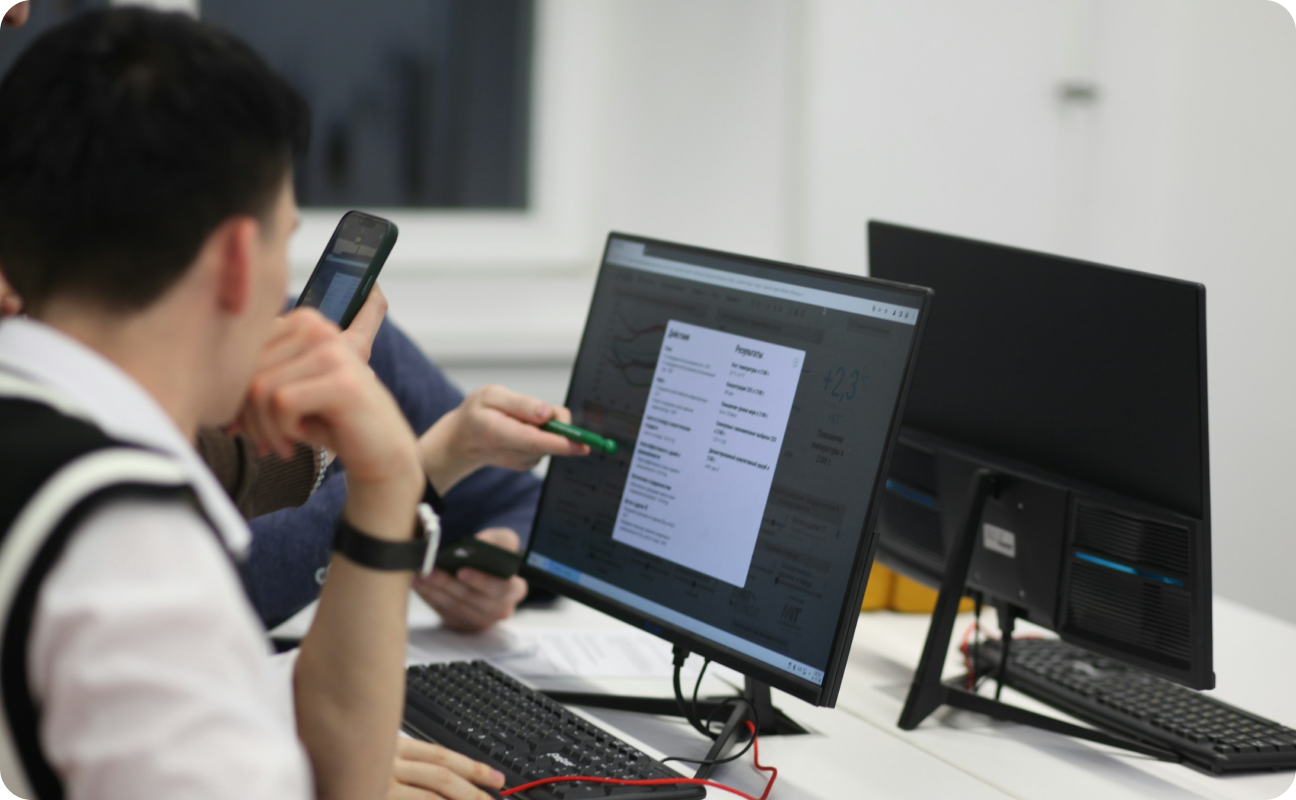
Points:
(472, 707)
(1122, 698)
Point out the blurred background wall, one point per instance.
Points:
(1150, 134)
(1156, 135)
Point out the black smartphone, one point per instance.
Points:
(473, 552)
(350, 264)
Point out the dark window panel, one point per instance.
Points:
(422, 103)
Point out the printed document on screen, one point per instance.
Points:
(708, 445)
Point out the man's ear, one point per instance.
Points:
(232, 246)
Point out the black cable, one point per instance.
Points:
(976, 654)
(1007, 620)
(685, 711)
(689, 712)
(738, 698)
(711, 718)
(707, 725)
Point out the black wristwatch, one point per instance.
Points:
(417, 555)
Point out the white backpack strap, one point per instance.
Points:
(19, 388)
(75, 482)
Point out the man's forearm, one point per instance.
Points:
(349, 681)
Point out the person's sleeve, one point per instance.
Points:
(491, 497)
(151, 671)
(291, 547)
(257, 484)
(290, 551)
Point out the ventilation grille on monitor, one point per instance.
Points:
(1129, 582)
(1108, 605)
(1130, 540)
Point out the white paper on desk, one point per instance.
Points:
(438, 645)
(555, 652)
(587, 653)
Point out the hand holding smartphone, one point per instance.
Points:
(350, 265)
(484, 556)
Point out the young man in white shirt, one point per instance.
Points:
(145, 208)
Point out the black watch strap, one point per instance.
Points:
(416, 555)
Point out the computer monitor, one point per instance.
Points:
(755, 404)
(1085, 387)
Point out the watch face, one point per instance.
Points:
(431, 525)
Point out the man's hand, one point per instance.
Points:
(472, 601)
(310, 385)
(493, 426)
(426, 771)
(360, 334)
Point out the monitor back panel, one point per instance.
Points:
(1086, 386)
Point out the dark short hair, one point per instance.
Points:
(126, 137)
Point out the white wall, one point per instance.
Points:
(1208, 192)
(777, 127)
(697, 134)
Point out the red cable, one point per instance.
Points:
(659, 781)
(756, 760)
(967, 657)
(623, 782)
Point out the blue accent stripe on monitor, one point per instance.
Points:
(910, 494)
(1128, 570)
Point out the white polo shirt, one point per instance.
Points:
(150, 667)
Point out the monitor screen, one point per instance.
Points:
(755, 405)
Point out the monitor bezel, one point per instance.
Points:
(824, 694)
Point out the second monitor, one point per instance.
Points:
(1084, 387)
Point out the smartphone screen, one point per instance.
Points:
(341, 271)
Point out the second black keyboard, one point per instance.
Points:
(477, 710)
(1200, 729)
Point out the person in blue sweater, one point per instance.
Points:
(291, 546)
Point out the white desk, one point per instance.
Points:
(856, 750)
(843, 756)
(1255, 658)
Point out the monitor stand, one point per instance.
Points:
(773, 722)
(928, 693)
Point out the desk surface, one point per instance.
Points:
(856, 750)
(824, 765)
(1254, 658)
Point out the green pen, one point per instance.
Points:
(581, 436)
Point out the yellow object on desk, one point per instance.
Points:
(888, 590)
(877, 594)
